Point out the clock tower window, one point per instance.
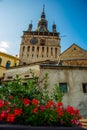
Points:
(42, 42)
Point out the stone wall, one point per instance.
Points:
(22, 71)
(74, 77)
(76, 62)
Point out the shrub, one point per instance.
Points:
(31, 104)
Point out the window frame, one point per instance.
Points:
(61, 84)
(84, 87)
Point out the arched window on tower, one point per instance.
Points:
(33, 48)
(47, 51)
(0, 60)
(23, 48)
(28, 49)
(55, 52)
(51, 51)
(8, 63)
(42, 49)
(38, 49)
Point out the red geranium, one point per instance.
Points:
(35, 110)
(17, 111)
(42, 107)
(11, 97)
(3, 114)
(35, 102)
(10, 118)
(26, 101)
(49, 104)
(1, 103)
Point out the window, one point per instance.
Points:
(55, 52)
(32, 55)
(9, 77)
(26, 75)
(85, 87)
(42, 42)
(63, 87)
(15, 64)
(0, 61)
(28, 49)
(38, 49)
(51, 51)
(8, 64)
(33, 48)
(23, 48)
(42, 49)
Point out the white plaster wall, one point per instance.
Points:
(74, 78)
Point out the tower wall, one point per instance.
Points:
(39, 47)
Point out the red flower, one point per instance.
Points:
(0, 118)
(26, 101)
(6, 103)
(35, 102)
(8, 110)
(70, 110)
(3, 114)
(1, 103)
(49, 104)
(42, 108)
(10, 118)
(76, 111)
(60, 111)
(11, 97)
(60, 104)
(35, 110)
(17, 111)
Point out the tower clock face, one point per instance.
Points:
(34, 40)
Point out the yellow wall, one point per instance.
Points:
(2, 71)
(14, 60)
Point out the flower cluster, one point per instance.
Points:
(24, 111)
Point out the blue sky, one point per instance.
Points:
(70, 17)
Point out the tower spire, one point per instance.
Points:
(43, 13)
(43, 7)
(42, 23)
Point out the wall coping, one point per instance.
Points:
(56, 66)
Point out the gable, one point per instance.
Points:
(74, 52)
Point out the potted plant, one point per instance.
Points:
(27, 107)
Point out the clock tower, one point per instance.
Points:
(41, 44)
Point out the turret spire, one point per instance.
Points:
(54, 27)
(30, 26)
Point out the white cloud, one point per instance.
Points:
(4, 46)
(3, 50)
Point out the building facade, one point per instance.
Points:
(7, 61)
(70, 79)
(41, 44)
(74, 55)
(69, 71)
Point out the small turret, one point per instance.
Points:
(30, 27)
(54, 27)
